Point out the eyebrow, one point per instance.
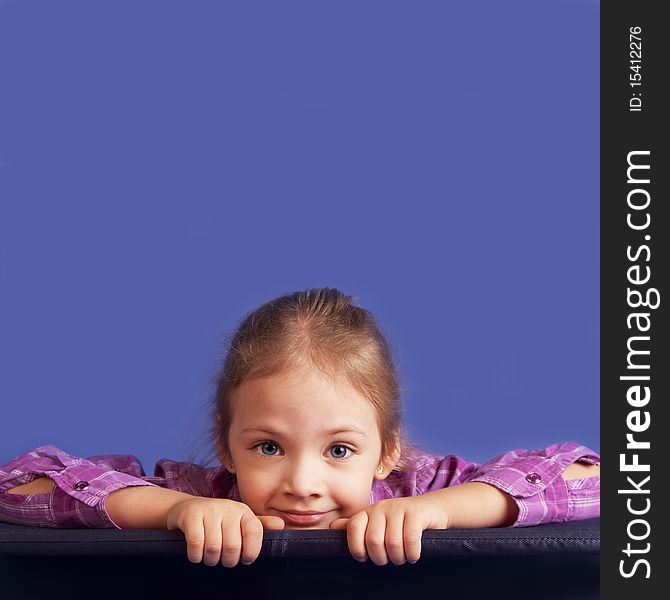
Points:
(349, 430)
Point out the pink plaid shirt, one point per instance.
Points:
(533, 478)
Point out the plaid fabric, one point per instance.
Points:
(532, 477)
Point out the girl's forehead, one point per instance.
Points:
(298, 391)
(304, 380)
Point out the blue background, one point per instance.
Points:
(169, 166)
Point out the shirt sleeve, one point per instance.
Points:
(534, 479)
(81, 486)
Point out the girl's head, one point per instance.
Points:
(307, 406)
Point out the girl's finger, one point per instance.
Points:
(375, 534)
(338, 524)
(213, 536)
(194, 532)
(231, 545)
(412, 532)
(252, 537)
(272, 522)
(394, 540)
(356, 527)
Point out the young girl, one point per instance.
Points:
(306, 424)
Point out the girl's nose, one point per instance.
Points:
(304, 478)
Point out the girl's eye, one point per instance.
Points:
(340, 451)
(271, 448)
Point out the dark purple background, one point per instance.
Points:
(168, 166)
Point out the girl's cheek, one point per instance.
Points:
(257, 485)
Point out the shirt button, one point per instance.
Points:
(533, 478)
(80, 486)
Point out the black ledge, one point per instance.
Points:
(547, 562)
(573, 538)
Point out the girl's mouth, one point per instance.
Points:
(301, 519)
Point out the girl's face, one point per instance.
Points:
(302, 444)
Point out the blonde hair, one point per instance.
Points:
(325, 328)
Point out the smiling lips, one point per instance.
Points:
(302, 518)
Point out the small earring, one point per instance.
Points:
(232, 467)
(380, 469)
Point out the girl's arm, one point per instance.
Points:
(518, 488)
(48, 487)
(43, 485)
(142, 508)
(472, 505)
(558, 483)
(130, 508)
(580, 469)
(476, 504)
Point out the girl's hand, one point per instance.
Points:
(392, 529)
(221, 530)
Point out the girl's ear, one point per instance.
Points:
(226, 461)
(224, 456)
(389, 463)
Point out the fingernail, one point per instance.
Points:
(246, 564)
